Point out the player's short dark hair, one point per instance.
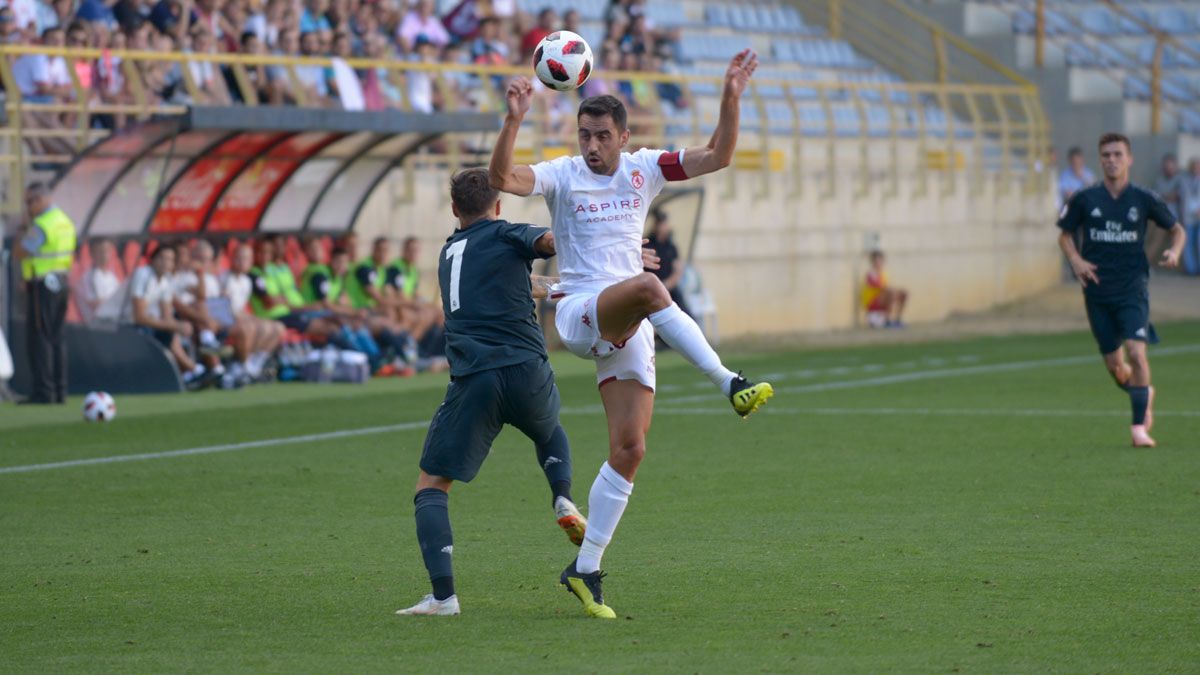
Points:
(600, 106)
(163, 248)
(876, 254)
(472, 193)
(338, 250)
(1075, 151)
(1114, 137)
(408, 240)
(378, 240)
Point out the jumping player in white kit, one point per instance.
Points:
(610, 308)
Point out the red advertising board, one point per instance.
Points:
(185, 207)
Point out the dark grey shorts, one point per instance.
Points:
(478, 405)
(1115, 321)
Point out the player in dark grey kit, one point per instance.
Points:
(1108, 220)
(499, 373)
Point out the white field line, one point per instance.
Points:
(948, 412)
(942, 373)
(211, 449)
(589, 410)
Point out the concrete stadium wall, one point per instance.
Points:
(778, 263)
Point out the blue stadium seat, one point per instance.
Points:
(716, 15)
(1131, 27)
(813, 121)
(1173, 20)
(1100, 21)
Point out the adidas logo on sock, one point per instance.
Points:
(448, 550)
(551, 460)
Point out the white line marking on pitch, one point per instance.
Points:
(951, 412)
(211, 449)
(824, 386)
(942, 373)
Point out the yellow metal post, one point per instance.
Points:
(835, 19)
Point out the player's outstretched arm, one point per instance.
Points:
(718, 154)
(503, 176)
(1170, 257)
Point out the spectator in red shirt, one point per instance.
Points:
(547, 20)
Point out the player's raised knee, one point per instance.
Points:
(651, 292)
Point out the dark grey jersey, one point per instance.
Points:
(1111, 233)
(484, 273)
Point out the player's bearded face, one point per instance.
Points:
(600, 143)
(1115, 160)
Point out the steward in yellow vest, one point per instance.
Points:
(46, 252)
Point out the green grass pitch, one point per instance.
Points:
(968, 506)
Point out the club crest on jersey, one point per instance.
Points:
(637, 179)
(1133, 214)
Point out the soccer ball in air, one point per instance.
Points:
(98, 406)
(563, 60)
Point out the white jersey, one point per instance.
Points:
(599, 221)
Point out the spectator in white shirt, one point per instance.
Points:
(96, 291)
(150, 310)
(210, 85)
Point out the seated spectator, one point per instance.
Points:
(45, 79)
(1190, 217)
(421, 21)
(313, 19)
(403, 277)
(256, 75)
(150, 308)
(379, 90)
(883, 302)
(210, 85)
(670, 269)
(488, 49)
(342, 49)
(263, 335)
(423, 96)
(97, 290)
(547, 23)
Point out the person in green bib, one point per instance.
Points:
(274, 294)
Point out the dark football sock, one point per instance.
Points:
(1139, 397)
(554, 456)
(436, 539)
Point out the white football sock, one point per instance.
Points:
(680, 331)
(207, 338)
(606, 502)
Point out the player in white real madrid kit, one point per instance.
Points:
(610, 308)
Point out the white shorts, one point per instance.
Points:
(579, 329)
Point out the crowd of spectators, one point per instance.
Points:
(472, 32)
(254, 311)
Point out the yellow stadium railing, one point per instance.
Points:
(988, 131)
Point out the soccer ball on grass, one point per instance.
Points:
(99, 406)
(562, 60)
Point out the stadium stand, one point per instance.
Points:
(851, 138)
(1133, 65)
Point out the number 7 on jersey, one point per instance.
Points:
(454, 252)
